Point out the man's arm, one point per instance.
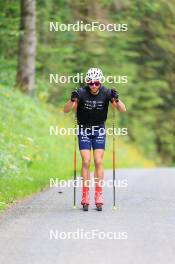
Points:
(69, 106)
(119, 105)
(116, 102)
(72, 103)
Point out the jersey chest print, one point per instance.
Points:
(90, 105)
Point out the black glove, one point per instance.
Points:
(74, 95)
(114, 95)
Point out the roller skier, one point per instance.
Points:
(91, 104)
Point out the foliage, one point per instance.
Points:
(30, 156)
(145, 53)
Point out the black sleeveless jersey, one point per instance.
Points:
(93, 109)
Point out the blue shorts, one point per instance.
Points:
(92, 137)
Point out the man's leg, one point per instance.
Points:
(86, 159)
(99, 174)
(85, 155)
(85, 151)
(98, 161)
(98, 144)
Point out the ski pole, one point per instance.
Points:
(75, 161)
(113, 154)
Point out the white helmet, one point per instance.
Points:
(94, 74)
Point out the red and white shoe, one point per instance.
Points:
(98, 198)
(85, 198)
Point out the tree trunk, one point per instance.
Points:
(27, 48)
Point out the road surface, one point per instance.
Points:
(37, 229)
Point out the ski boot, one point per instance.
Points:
(85, 198)
(98, 198)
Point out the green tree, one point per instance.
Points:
(27, 48)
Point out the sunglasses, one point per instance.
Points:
(97, 83)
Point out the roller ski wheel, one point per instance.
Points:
(99, 206)
(85, 207)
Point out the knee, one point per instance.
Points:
(98, 162)
(86, 163)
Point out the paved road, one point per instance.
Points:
(143, 224)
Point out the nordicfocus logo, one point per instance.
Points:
(81, 234)
(88, 27)
(80, 78)
(109, 183)
(79, 130)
